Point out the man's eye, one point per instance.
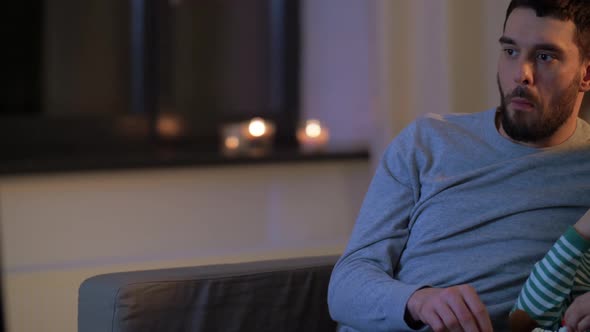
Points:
(509, 51)
(545, 57)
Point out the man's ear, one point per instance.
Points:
(585, 83)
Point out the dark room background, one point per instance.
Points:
(94, 77)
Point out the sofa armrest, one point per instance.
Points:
(277, 295)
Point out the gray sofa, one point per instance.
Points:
(278, 295)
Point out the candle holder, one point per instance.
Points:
(312, 136)
(251, 138)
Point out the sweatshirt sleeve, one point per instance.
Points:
(363, 295)
(546, 293)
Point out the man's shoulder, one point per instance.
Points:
(433, 131)
(432, 124)
(464, 119)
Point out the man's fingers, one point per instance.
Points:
(477, 308)
(432, 319)
(455, 308)
(466, 318)
(449, 318)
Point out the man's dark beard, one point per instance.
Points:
(535, 127)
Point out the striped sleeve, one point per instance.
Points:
(563, 272)
(582, 280)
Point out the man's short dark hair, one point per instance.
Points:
(577, 11)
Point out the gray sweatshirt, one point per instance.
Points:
(453, 202)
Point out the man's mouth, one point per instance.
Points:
(521, 104)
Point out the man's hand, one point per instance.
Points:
(455, 308)
(577, 316)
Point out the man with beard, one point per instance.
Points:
(462, 206)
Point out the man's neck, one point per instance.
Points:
(560, 136)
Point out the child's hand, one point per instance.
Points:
(577, 316)
(583, 226)
(520, 321)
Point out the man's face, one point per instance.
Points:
(539, 75)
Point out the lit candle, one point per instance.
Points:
(258, 127)
(253, 138)
(232, 142)
(312, 136)
(260, 136)
(169, 126)
(231, 139)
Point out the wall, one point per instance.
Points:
(335, 77)
(60, 229)
(431, 56)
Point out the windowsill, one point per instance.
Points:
(164, 157)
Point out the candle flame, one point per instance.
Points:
(313, 128)
(257, 127)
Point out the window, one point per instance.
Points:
(125, 79)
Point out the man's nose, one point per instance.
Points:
(524, 73)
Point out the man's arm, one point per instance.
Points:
(363, 293)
